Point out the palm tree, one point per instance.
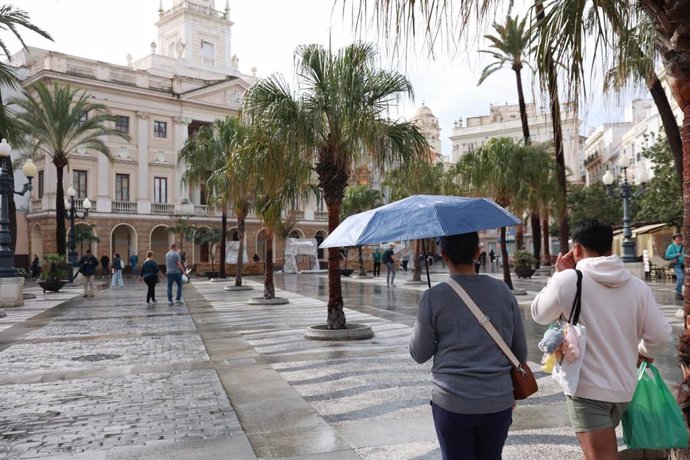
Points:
(635, 63)
(204, 155)
(184, 229)
(339, 118)
(360, 198)
(12, 19)
(509, 46)
(54, 117)
(85, 232)
(212, 237)
(277, 188)
(499, 169)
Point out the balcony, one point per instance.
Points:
(201, 210)
(37, 205)
(166, 209)
(124, 207)
(79, 205)
(321, 215)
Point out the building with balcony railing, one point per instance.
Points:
(189, 79)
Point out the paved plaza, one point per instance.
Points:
(112, 378)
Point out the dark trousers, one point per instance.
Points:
(151, 283)
(471, 436)
(377, 268)
(404, 264)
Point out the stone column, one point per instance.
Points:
(182, 204)
(143, 185)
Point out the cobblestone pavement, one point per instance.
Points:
(111, 378)
(105, 373)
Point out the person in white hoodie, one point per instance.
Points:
(623, 324)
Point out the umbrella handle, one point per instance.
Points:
(426, 264)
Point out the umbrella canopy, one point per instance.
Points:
(418, 217)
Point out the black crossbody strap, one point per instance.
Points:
(574, 316)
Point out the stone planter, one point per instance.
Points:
(346, 271)
(51, 285)
(524, 272)
(212, 274)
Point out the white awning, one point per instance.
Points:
(647, 229)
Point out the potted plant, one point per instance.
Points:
(523, 262)
(54, 272)
(345, 270)
(211, 237)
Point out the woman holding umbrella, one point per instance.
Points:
(472, 394)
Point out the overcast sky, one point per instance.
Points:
(265, 35)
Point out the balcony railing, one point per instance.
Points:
(201, 210)
(320, 215)
(124, 207)
(162, 208)
(37, 205)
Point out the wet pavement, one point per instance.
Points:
(112, 377)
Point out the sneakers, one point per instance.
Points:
(170, 304)
(179, 302)
(679, 296)
(84, 295)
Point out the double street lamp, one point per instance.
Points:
(626, 194)
(71, 214)
(7, 269)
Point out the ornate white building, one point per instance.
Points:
(504, 121)
(189, 79)
(427, 122)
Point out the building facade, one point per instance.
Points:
(504, 121)
(607, 145)
(189, 79)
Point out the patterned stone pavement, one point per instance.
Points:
(110, 378)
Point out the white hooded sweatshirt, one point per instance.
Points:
(621, 317)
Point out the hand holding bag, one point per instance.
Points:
(567, 372)
(653, 419)
(524, 383)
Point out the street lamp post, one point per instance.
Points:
(71, 214)
(628, 242)
(7, 269)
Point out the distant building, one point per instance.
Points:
(610, 142)
(427, 122)
(189, 79)
(504, 121)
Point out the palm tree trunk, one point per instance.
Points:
(60, 231)
(536, 236)
(239, 263)
(668, 119)
(545, 235)
(417, 275)
(362, 271)
(520, 236)
(555, 105)
(269, 288)
(223, 240)
(336, 313)
(504, 259)
(523, 108)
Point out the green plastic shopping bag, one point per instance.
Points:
(653, 419)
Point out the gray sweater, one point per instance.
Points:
(470, 374)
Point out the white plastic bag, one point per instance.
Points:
(185, 278)
(567, 373)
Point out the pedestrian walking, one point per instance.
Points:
(376, 255)
(174, 270)
(118, 266)
(492, 257)
(105, 264)
(674, 253)
(133, 261)
(87, 267)
(404, 260)
(623, 325)
(472, 390)
(35, 268)
(150, 274)
(388, 259)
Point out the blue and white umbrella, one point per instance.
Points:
(419, 217)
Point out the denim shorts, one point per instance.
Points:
(592, 415)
